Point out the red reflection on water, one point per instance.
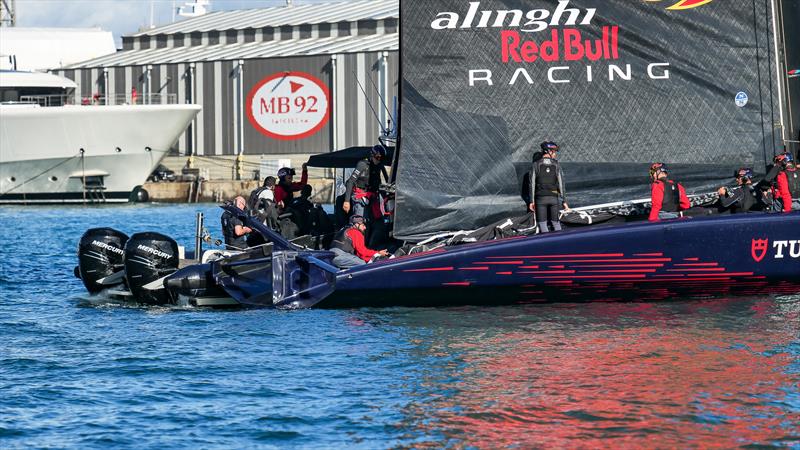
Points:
(661, 382)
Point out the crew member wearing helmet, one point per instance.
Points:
(285, 189)
(547, 188)
(362, 186)
(348, 245)
(788, 181)
(741, 198)
(667, 197)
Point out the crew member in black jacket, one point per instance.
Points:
(547, 188)
(741, 198)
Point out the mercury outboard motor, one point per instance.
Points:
(194, 281)
(148, 257)
(100, 255)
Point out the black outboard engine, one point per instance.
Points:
(100, 255)
(194, 281)
(148, 257)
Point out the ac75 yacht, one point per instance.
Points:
(100, 150)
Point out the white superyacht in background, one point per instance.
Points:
(54, 151)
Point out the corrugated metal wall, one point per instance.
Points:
(215, 86)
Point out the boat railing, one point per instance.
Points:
(116, 99)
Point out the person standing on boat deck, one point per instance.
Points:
(233, 230)
(668, 197)
(788, 181)
(741, 198)
(362, 186)
(349, 246)
(284, 191)
(547, 188)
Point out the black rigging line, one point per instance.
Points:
(769, 62)
(760, 96)
(378, 119)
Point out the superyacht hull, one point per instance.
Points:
(84, 153)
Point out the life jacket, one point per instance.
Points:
(252, 202)
(672, 196)
(364, 177)
(229, 231)
(793, 177)
(343, 242)
(547, 178)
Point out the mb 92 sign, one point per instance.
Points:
(288, 105)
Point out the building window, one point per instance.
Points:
(213, 37)
(161, 41)
(249, 35)
(177, 40)
(305, 31)
(267, 34)
(367, 27)
(344, 28)
(197, 38)
(286, 32)
(230, 36)
(324, 30)
(390, 25)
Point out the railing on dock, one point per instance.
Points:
(117, 99)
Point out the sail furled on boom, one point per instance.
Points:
(617, 84)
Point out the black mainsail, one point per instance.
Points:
(617, 84)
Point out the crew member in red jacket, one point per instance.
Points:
(284, 191)
(788, 181)
(668, 197)
(349, 246)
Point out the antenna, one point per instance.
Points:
(8, 13)
(194, 9)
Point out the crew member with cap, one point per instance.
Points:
(233, 230)
(547, 188)
(667, 197)
(285, 189)
(741, 198)
(788, 181)
(362, 186)
(349, 247)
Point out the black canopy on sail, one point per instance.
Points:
(618, 85)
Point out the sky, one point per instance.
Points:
(121, 17)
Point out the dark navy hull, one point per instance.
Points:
(690, 258)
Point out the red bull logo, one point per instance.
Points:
(685, 4)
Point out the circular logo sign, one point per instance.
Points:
(288, 105)
(741, 99)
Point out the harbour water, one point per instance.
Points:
(75, 372)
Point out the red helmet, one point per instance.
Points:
(658, 167)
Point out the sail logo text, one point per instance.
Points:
(535, 20)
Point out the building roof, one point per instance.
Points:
(269, 49)
(284, 15)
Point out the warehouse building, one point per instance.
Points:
(293, 80)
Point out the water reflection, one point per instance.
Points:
(721, 372)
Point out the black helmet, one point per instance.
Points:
(285, 172)
(744, 172)
(354, 220)
(548, 146)
(378, 151)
